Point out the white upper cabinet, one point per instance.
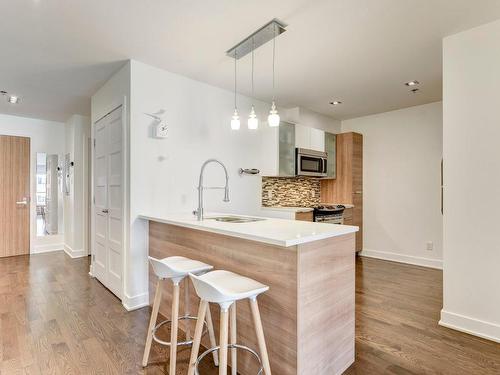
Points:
(302, 136)
(310, 138)
(317, 139)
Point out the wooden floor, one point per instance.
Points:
(397, 310)
(55, 319)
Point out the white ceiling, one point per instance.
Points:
(56, 54)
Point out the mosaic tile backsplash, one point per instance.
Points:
(290, 192)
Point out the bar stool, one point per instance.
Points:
(175, 268)
(225, 288)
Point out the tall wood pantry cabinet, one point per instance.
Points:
(347, 188)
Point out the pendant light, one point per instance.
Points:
(235, 120)
(253, 121)
(274, 118)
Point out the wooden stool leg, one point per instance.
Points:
(211, 335)
(223, 341)
(260, 336)
(197, 336)
(187, 324)
(152, 323)
(175, 327)
(234, 351)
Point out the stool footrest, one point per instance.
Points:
(180, 343)
(229, 346)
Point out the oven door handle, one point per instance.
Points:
(323, 165)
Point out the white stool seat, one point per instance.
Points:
(177, 267)
(224, 286)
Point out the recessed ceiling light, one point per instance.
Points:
(13, 99)
(412, 83)
(336, 102)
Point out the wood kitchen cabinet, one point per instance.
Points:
(348, 216)
(304, 216)
(347, 188)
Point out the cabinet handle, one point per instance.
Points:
(358, 192)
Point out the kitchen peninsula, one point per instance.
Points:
(308, 312)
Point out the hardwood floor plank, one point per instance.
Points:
(10, 346)
(101, 363)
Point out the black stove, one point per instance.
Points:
(330, 208)
(331, 214)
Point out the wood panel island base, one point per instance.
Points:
(308, 312)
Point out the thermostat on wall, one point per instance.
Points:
(160, 125)
(161, 130)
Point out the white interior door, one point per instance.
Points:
(107, 265)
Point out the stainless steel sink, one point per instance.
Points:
(235, 219)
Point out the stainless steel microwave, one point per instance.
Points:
(310, 163)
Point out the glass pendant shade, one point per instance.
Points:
(253, 121)
(273, 119)
(235, 120)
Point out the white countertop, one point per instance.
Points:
(280, 232)
(288, 209)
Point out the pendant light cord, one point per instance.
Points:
(235, 57)
(274, 54)
(253, 49)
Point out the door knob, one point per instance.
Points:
(24, 202)
(105, 211)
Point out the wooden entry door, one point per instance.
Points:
(14, 195)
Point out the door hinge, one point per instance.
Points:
(94, 142)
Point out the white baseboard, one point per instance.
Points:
(39, 249)
(401, 258)
(476, 327)
(135, 302)
(74, 253)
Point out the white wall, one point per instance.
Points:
(402, 153)
(164, 172)
(46, 136)
(112, 94)
(472, 181)
(76, 203)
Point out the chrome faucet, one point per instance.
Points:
(199, 211)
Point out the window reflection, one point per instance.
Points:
(47, 194)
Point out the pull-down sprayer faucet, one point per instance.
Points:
(199, 211)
